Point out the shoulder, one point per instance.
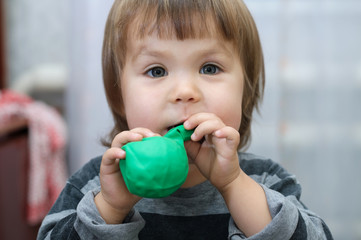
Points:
(84, 180)
(87, 174)
(258, 165)
(270, 174)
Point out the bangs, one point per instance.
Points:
(184, 19)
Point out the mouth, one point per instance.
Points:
(173, 126)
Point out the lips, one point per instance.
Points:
(173, 126)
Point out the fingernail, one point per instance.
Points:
(217, 133)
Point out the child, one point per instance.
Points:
(197, 63)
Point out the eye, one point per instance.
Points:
(209, 69)
(157, 72)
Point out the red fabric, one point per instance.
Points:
(47, 139)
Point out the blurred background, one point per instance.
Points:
(310, 120)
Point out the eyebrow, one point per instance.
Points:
(143, 50)
(149, 52)
(214, 49)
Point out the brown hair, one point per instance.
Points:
(184, 19)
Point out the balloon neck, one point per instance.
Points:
(180, 132)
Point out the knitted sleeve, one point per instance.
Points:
(290, 217)
(75, 216)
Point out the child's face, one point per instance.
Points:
(165, 81)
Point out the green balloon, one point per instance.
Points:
(156, 166)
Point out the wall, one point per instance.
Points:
(37, 33)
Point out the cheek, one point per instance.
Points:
(141, 110)
(228, 107)
(138, 111)
(231, 115)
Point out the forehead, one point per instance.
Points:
(152, 47)
(145, 38)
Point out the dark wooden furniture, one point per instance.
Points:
(14, 165)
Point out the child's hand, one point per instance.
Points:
(216, 157)
(114, 201)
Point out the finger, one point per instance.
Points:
(145, 132)
(110, 160)
(197, 119)
(230, 134)
(207, 129)
(124, 137)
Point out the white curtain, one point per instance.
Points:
(87, 111)
(311, 116)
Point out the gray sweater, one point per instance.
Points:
(194, 213)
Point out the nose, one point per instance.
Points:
(186, 91)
